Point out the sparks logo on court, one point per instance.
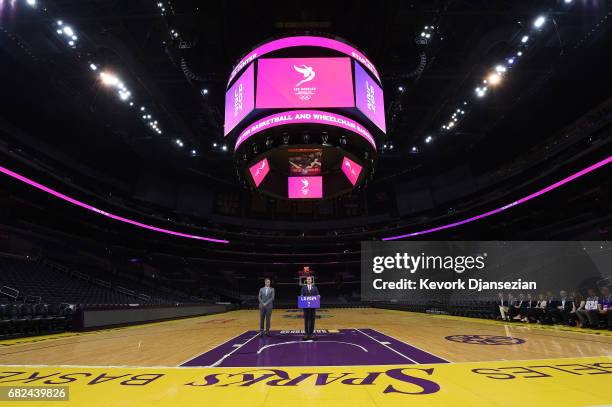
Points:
(485, 339)
(308, 74)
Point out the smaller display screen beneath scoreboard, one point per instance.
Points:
(305, 187)
(259, 171)
(305, 161)
(351, 169)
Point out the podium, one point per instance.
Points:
(309, 301)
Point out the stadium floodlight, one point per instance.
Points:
(539, 22)
(68, 31)
(494, 79)
(525, 39)
(428, 139)
(31, 3)
(224, 147)
(109, 79)
(93, 67)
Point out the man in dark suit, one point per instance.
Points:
(561, 310)
(266, 301)
(309, 289)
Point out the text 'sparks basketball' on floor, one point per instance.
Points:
(305, 203)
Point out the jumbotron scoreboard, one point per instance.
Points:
(304, 115)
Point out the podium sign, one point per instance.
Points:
(309, 301)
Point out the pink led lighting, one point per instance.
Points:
(304, 116)
(508, 206)
(304, 41)
(104, 213)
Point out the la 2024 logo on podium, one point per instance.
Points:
(309, 301)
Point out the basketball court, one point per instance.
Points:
(361, 356)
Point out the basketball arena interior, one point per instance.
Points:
(321, 203)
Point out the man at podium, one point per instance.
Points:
(309, 289)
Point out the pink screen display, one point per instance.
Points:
(259, 171)
(351, 169)
(369, 96)
(303, 41)
(304, 82)
(240, 99)
(305, 187)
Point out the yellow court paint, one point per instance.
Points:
(560, 382)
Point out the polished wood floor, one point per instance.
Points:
(172, 343)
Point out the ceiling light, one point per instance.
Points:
(68, 31)
(93, 67)
(494, 79)
(224, 147)
(525, 39)
(109, 79)
(539, 22)
(428, 139)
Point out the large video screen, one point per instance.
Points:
(369, 97)
(305, 187)
(305, 161)
(259, 171)
(304, 82)
(240, 99)
(351, 169)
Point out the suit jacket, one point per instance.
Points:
(266, 300)
(313, 291)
